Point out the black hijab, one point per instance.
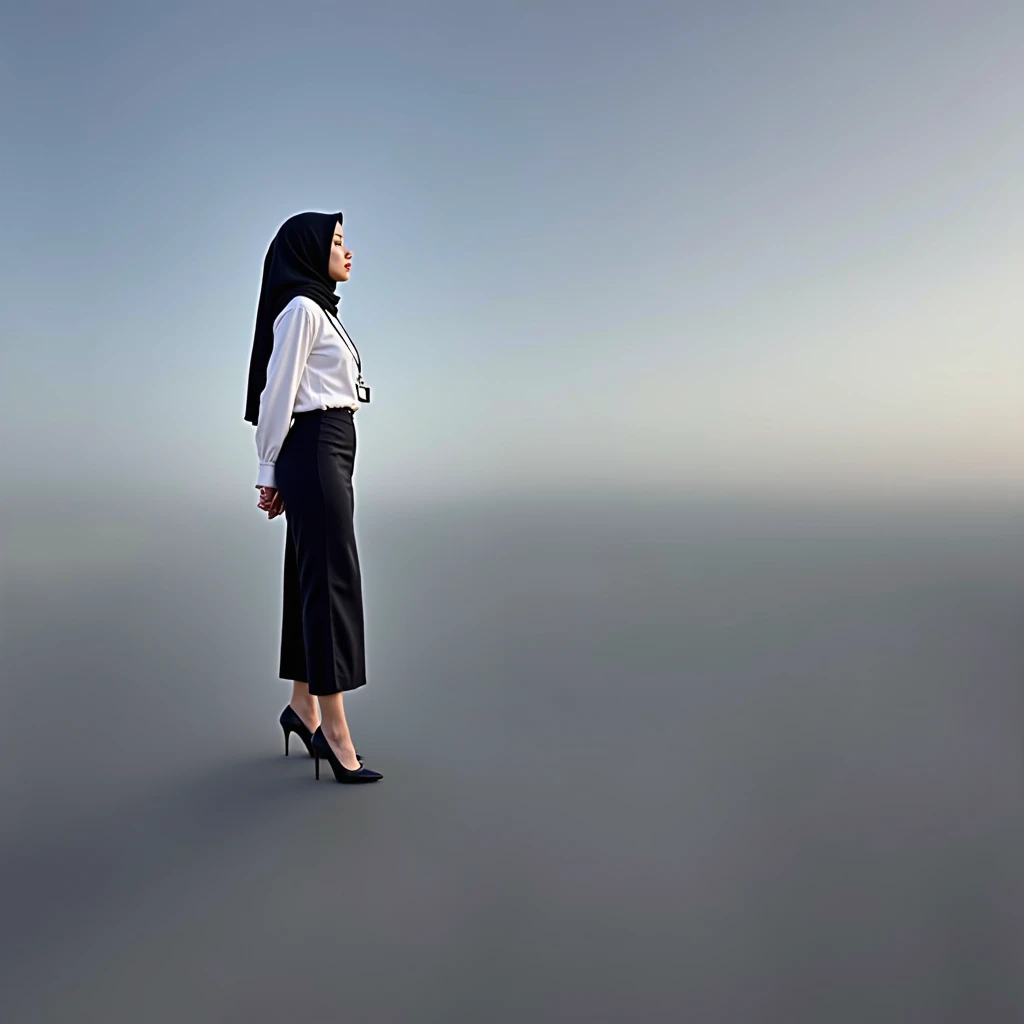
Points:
(296, 264)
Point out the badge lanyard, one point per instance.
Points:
(362, 389)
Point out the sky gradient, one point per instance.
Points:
(683, 715)
(669, 247)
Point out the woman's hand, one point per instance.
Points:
(270, 502)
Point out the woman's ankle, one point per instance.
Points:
(307, 709)
(337, 735)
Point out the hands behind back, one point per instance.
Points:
(270, 502)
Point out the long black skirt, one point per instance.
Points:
(322, 639)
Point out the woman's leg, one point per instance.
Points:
(305, 705)
(335, 728)
(314, 473)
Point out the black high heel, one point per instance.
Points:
(322, 749)
(292, 723)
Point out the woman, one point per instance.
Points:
(304, 388)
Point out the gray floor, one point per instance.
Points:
(679, 762)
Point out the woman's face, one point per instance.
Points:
(340, 266)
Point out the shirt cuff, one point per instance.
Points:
(266, 476)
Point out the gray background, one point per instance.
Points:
(690, 503)
(663, 762)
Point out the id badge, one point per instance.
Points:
(362, 392)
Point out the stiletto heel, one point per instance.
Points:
(322, 750)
